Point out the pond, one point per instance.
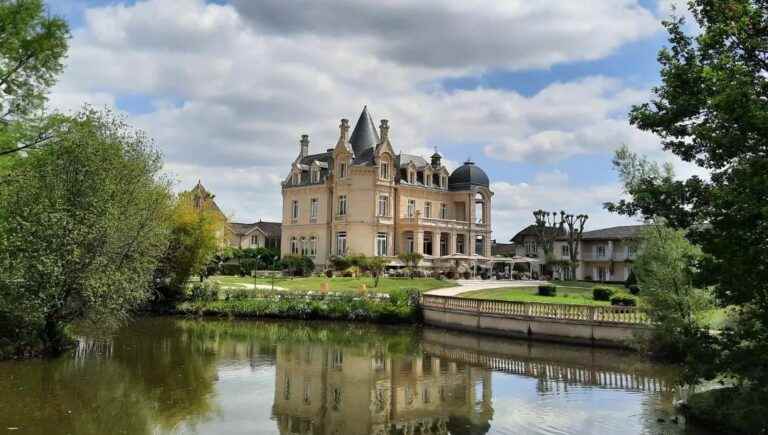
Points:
(169, 375)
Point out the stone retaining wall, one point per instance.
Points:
(608, 326)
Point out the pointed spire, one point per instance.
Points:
(364, 135)
(384, 130)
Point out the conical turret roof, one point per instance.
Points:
(364, 135)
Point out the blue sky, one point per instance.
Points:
(536, 94)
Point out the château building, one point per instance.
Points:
(361, 197)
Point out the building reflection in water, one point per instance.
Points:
(322, 390)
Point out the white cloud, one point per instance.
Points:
(232, 88)
(513, 204)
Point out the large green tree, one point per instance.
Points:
(33, 45)
(711, 109)
(83, 224)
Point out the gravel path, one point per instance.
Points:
(468, 285)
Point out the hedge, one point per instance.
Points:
(602, 293)
(547, 290)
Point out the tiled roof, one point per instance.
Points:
(270, 229)
(530, 230)
(614, 233)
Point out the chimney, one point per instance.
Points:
(384, 130)
(304, 150)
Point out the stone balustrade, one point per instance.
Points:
(601, 325)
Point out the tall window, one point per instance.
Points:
(314, 209)
(412, 177)
(383, 205)
(479, 245)
(342, 170)
(341, 243)
(315, 175)
(295, 177)
(443, 244)
(381, 244)
(411, 208)
(600, 251)
(342, 205)
(443, 211)
(312, 246)
(565, 251)
(304, 246)
(428, 179)
(427, 243)
(384, 171)
(460, 244)
(530, 247)
(630, 250)
(427, 209)
(254, 240)
(443, 181)
(294, 209)
(410, 246)
(294, 246)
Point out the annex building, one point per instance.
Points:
(362, 197)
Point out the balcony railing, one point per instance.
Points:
(436, 222)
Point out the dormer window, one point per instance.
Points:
(342, 170)
(315, 174)
(295, 177)
(443, 182)
(384, 171)
(412, 177)
(428, 179)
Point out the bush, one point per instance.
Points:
(547, 290)
(231, 269)
(237, 295)
(634, 289)
(631, 279)
(206, 291)
(624, 300)
(298, 265)
(329, 273)
(602, 293)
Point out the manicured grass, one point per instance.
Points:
(337, 284)
(565, 295)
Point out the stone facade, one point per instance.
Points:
(361, 197)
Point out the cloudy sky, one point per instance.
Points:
(535, 92)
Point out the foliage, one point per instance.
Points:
(547, 290)
(631, 280)
(82, 227)
(411, 261)
(339, 262)
(33, 45)
(205, 291)
(634, 289)
(624, 300)
(400, 307)
(602, 293)
(665, 268)
(728, 410)
(231, 269)
(195, 230)
(711, 110)
(297, 265)
(376, 266)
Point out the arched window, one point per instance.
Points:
(479, 209)
(294, 246)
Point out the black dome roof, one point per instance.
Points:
(467, 176)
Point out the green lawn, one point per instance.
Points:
(337, 284)
(565, 295)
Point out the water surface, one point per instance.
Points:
(168, 376)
